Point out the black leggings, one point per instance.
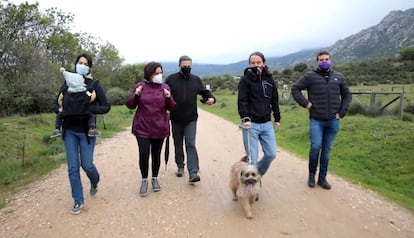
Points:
(144, 147)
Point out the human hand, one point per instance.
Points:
(309, 106)
(277, 125)
(246, 125)
(138, 90)
(167, 93)
(210, 101)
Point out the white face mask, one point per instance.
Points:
(157, 79)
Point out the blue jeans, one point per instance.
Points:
(322, 134)
(79, 153)
(187, 133)
(265, 134)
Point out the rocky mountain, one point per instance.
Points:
(386, 39)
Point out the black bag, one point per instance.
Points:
(76, 104)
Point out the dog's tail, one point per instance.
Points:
(245, 159)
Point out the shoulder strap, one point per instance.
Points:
(91, 86)
(164, 85)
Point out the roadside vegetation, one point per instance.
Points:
(373, 149)
(375, 153)
(27, 153)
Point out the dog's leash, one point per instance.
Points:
(247, 128)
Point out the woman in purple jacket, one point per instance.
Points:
(153, 101)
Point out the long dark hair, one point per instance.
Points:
(87, 57)
(266, 71)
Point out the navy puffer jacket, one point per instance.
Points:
(327, 91)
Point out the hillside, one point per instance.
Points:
(393, 33)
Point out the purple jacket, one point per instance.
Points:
(151, 118)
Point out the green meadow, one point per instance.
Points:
(373, 152)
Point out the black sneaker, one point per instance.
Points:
(143, 191)
(93, 190)
(194, 178)
(324, 184)
(77, 208)
(155, 185)
(311, 180)
(180, 172)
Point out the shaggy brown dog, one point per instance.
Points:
(245, 184)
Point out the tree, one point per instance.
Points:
(407, 53)
(301, 67)
(129, 75)
(33, 45)
(107, 64)
(23, 61)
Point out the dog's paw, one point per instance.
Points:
(62, 70)
(249, 216)
(235, 198)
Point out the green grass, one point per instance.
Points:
(27, 153)
(376, 153)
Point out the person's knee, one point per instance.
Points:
(73, 170)
(190, 143)
(269, 157)
(316, 146)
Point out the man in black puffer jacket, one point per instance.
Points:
(328, 101)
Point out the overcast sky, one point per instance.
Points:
(220, 31)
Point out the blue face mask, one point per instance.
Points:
(82, 69)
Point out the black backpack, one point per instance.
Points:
(76, 104)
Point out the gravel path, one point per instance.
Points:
(287, 207)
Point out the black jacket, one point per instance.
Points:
(327, 91)
(99, 106)
(184, 91)
(258, 98)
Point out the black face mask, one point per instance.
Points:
(256, 70)
(185, 71)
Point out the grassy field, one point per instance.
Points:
(376, 153)
(27, 153)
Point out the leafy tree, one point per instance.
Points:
(301, 67)
(287, 73)
(107, 64)
(22, 58)
(128, 75)
(33, 45)
(407, 53)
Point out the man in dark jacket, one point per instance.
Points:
(184, 88)
(328, 101)
(257, 100)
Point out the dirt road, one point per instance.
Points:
(287, 207)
